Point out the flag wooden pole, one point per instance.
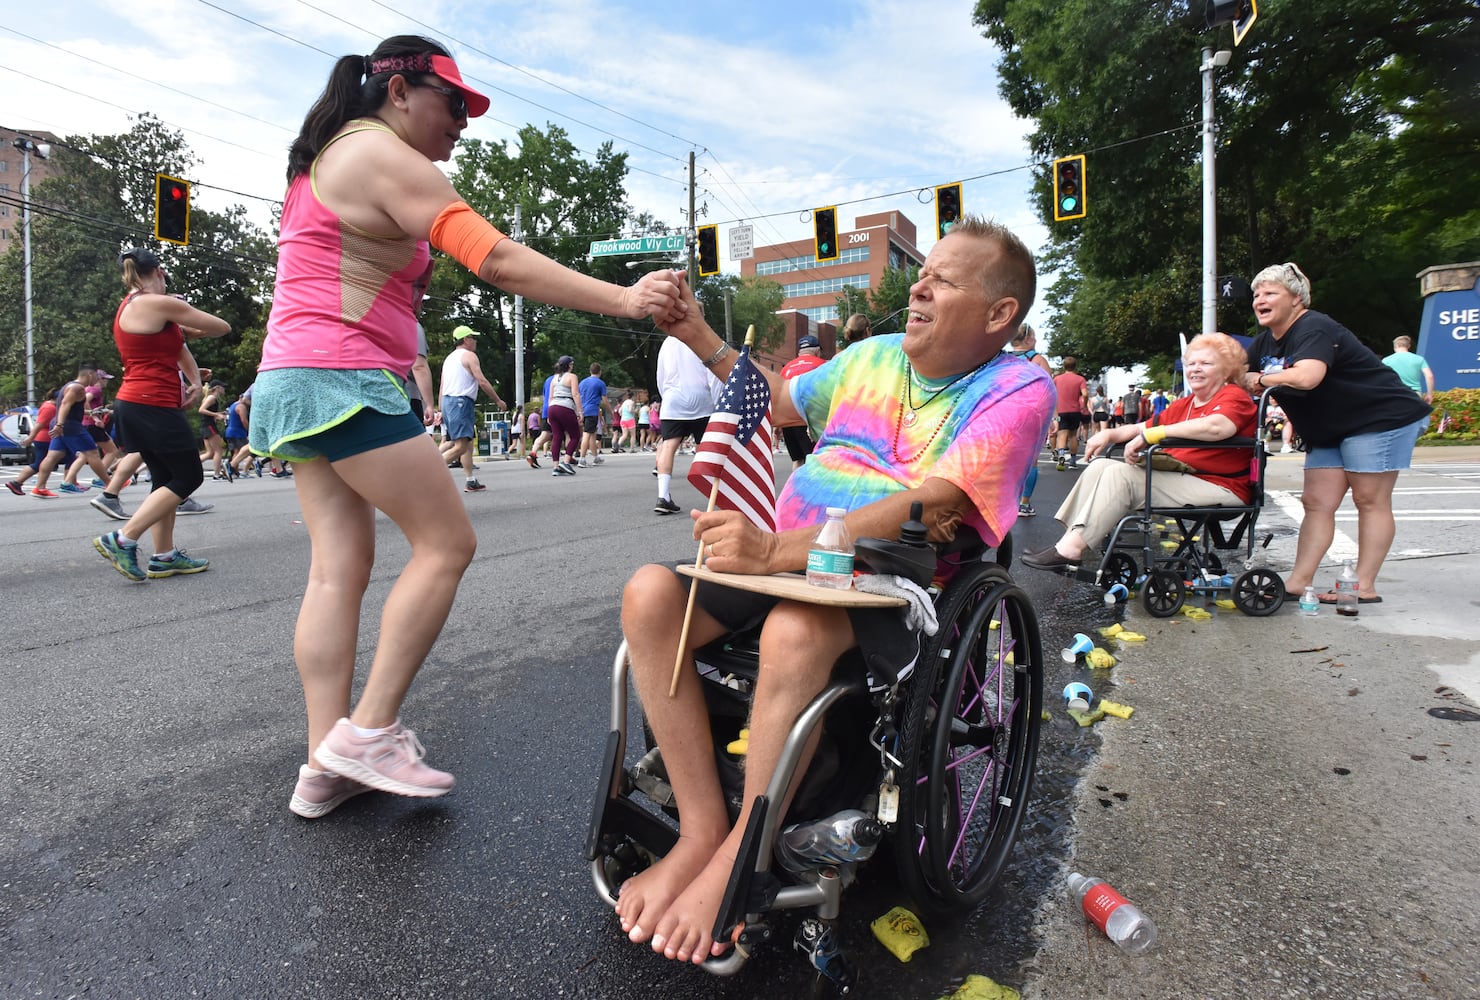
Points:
(688, 611)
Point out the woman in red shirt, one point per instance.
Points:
(150, 330)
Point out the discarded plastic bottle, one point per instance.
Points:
(851, 835)
(1346, 591)
(1123, 922)
(830, 559)
(1310, 605)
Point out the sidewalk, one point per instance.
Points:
(1284, 805)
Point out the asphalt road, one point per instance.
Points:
(148, 850)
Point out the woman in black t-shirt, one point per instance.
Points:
(1359, 422)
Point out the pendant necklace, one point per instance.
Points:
(908, 411)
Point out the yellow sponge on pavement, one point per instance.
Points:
(1116, 709)
(982, 988)
(901, 932)
(1086, 718)
(1099, 659)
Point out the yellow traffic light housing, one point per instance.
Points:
(171, 209)
(825, 233)
(708, 250)
(1068, 188)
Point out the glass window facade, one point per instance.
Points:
(824, 286)
(850, 256)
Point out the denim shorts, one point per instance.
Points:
(457, 418)
(1379, 451)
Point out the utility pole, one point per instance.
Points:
(1210, 61)
(43, 150)
(691, 236)
(518, 326)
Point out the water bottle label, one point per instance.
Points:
(1100, 902)
(823, 561)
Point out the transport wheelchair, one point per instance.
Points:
(1169, 553)
(943, 760)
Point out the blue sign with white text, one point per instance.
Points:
(1449, 338)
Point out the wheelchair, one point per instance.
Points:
(943, 760)
(1171, 553)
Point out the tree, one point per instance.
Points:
(1348, 134)
(102, 201)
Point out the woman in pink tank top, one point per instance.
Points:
(365, 199)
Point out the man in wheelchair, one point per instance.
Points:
(940, 416)
(1218, 408)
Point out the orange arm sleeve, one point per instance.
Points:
(464, 235)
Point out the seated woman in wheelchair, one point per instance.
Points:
(1217, 409)
(939, 415)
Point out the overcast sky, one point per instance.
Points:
(789, 105)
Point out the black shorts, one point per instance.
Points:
(157, 429)
(417, 411)
(588, 425)
(670, 429)
(1070, 421)
(1101, 416)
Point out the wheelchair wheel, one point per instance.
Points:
(1259, 592)
(1164, 593)
(1119, 568)
(969, 742)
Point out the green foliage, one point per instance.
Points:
(1458, 412)
(1349, 132)
(884, 305)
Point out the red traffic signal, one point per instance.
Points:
(1068, 188)
(171, 209)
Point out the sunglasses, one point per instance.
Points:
(456, 103)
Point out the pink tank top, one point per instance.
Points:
(343, 296)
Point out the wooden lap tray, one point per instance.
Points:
(794, 587)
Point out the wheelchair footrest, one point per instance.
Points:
(737, 901)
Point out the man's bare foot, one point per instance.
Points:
(646, 896)
(683, 933)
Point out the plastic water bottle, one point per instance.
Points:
(851, 835)
(830, 559)
(1310, 605)
(1123, 922)
(1346, 591)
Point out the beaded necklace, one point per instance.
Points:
(906, 415)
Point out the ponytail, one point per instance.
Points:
(352, 92)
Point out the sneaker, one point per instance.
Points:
(570, 470)
(389, 761)
(43, 494)
(99, 484)
(321, 792)
(177, 565)
(281, 474)
(112, 506)
(1025, 509)
(15, 488)
(73, 488)
(1286, 450)
(582, 464)
(473, 486)
(666, 506)
(190, 505)
(534, 463)
(597, 460)
(125, 558)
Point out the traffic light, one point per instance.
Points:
(171, 209)
(825, 227)
(708, 250)
(1068, 188)
(947, 208)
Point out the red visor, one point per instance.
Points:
(439, 66)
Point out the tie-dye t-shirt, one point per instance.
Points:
(981, 434)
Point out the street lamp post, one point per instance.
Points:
(1210, 61)
(41, 149)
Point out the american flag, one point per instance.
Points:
(737, 447)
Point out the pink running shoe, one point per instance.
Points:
(321, 792)
(389, 761)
